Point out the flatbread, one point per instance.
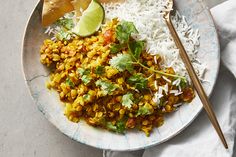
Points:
(54, 9)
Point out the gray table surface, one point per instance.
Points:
(23, 129)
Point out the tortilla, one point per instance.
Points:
(54, 9)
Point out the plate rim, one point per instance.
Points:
(151, 144)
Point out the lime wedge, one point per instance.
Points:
(90, 20)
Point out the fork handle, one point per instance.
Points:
(196, 82)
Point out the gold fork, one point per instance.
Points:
(196, 83)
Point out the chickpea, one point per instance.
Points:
(149, 63)
(147, 97)
(73, 93)
(120, 80)
(118, 98)
(111, 114)
(79, 108)
(62, 95)
(168, 108)
(131, 115)
(145, 122)
(122, 111)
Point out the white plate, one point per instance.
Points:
(49, 104)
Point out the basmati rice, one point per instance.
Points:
(147, 15)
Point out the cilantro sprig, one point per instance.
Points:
(124, 62)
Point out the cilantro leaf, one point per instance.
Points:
(119, 127)
(183, 84)
(124, 31)
(86, 79)
(136, 48)
(99, 70)
(138, 99)
(122, 62)
(63, 35)
(129, 27)
(127, 100)
(66, 22)
(115, 48)
(83, 71)
(106, 87)
(138, 81)
(110, 126)
(87, 97)
(69, 82)
(85, 75)
(162, 103)
(145, 110)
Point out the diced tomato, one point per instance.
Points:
(108, 36)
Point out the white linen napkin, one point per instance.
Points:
(200, 139)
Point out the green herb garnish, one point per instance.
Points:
(63, 35)
(138, 81)
(69, 82)
(106, 87)
(122, 62)
(86, 79)
(115, 48)
(84, 71)
(99, 70)
(85, 75)
(145, 110)
(127, 100)
(136, 48)
(87, 97)
(183, 84)
(111, 127)
(124, 31)
(66, 23)
(119, 127)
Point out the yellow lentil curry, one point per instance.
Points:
(109, 80)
